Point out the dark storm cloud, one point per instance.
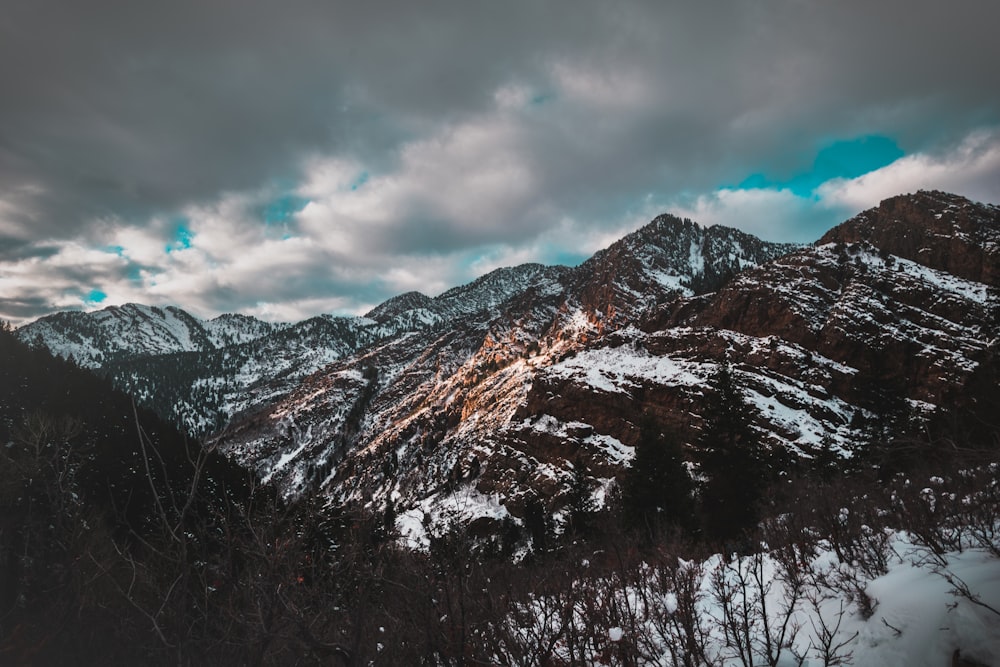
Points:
(15, 249)
(121, 108)
(464, 124)
(25, 308)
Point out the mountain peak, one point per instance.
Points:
(669, 257)
(940, 230)
(669, 221)
(497, 390)
(399, 304)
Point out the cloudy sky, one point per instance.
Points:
(284, 159)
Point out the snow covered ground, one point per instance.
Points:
(755, 610)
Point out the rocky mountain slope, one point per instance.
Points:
(824, 342)
(199, 374)
(474, 402)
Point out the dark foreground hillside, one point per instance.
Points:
(101, 505)
(817, 567)
(620, 464)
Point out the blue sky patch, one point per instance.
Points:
(183, 236)
(95, 296)
(848, 158)
(542, 99)
(282, 209)
(359, 181)
(565, 257)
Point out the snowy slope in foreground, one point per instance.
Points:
(918, 619)
(932, 621)
(915, 617)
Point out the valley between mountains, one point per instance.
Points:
(532, 381)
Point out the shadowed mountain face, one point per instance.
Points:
(472, 402)
(59, 420)
(199, 374)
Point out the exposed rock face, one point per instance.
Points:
(449, 409)
(491, 410)
(475, 400)
(919, 310)
(936, 229)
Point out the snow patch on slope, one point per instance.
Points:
(620, 369)
(436, 513)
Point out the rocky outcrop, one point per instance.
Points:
(935, 229)
(905, 293)
(507, 403)
(505, 389)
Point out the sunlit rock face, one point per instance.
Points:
(471, 402)
(476, 416)
(453, 406)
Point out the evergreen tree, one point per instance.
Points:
(657, 487)
(538, 524)
(580, 505)
(385, 529)
(826, 462)
(887, 420)
(732, 460)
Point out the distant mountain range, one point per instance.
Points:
(501, 390)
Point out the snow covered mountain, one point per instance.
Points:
(476, 417)
(199, 374)
(499, 392)
(132, 331)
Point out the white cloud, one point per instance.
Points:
(468, 182)
(971, 169)
(477, 167)
(143, 245)
(774, 215)
(63, 278)
(296, 310)
(327, 175)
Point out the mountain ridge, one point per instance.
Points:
(501, 391)
(132, 342)
(485, 418)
